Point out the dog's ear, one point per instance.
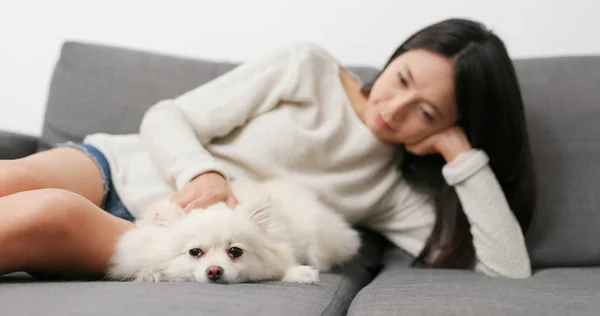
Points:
(165, 213)
(259, 211)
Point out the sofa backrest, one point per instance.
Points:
(100, 88)
(97, 88)
(562, 101)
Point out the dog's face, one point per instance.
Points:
(220, 245)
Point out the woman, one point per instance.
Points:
(433, 154)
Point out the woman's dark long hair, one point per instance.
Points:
(490, 110)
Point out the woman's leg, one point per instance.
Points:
(60, 168)
(56, 232)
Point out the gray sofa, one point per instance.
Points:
(98, 88)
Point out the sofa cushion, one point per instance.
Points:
(331, 296)
(562, 101)
(100, 88)
(400, 289)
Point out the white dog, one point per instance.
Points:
(278, 231)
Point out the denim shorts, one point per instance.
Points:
(111, 202)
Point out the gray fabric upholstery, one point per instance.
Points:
(401, 290)
(331, 296)
(108, 298)
(15, 145)
(562, 101)
(97, 88)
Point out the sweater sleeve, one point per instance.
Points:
(497, 237)
(176, 131)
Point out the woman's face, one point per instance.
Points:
(412, 99)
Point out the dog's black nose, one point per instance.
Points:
(214, 272)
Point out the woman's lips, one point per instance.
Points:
(382, 123)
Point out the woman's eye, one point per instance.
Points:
(235, 252)
(427, 116)
(196, 252)
(402, 79)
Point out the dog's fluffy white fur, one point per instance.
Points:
(279, 231)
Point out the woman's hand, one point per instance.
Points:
(203, 191)
(449, 143)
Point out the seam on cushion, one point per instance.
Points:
(358, 296)
(329, 305)
(359, 288)
(370, 278)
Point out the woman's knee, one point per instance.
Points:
(52, 212)
(15, 177)
(36, 222)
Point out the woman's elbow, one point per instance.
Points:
(152, 118)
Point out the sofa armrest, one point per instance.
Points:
(15, 145)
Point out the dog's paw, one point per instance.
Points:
(301, 274)
(148, 277)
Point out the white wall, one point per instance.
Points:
(357, 31)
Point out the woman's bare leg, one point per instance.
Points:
(60, 168)
(56, 232)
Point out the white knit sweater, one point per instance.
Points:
(287, 114)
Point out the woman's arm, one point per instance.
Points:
(175, 131)
(497, 237)
(408, 216)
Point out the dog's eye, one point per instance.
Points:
(235, 252)
(195, 252)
